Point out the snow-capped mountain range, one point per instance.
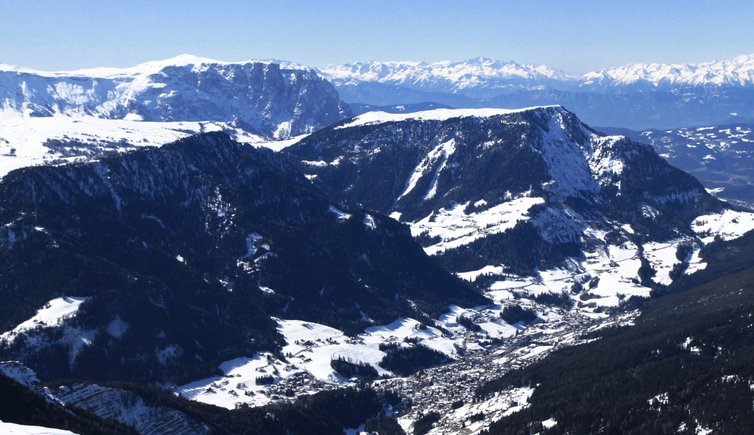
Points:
(263, 97)
(466, 77)
(736, 72)
(638, 96)
(470, 76)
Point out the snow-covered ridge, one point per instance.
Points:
(146, 68)
(370, 118)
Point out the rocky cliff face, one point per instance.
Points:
(264, 98)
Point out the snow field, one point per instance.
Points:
(456, 228)
(500, 405)
(19, 429)
(728, 225)
(310, 347)
(239, 382)
(52, 314)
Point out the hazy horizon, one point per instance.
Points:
(574, 38)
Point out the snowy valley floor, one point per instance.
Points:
(448, 389)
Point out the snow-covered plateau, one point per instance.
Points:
(263, 97)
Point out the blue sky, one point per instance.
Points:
(575, 36)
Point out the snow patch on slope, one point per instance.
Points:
(473, 275)
(500, 405)
(603, 162)
(662, 257)
(19, 373)
(457, 228)
(339, 214)
(20, 429)
(440, 154)
(567, 160)
(53, 313)
(728, 225)
(241, 381)
(128, 408)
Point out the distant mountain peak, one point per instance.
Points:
(736, 71)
